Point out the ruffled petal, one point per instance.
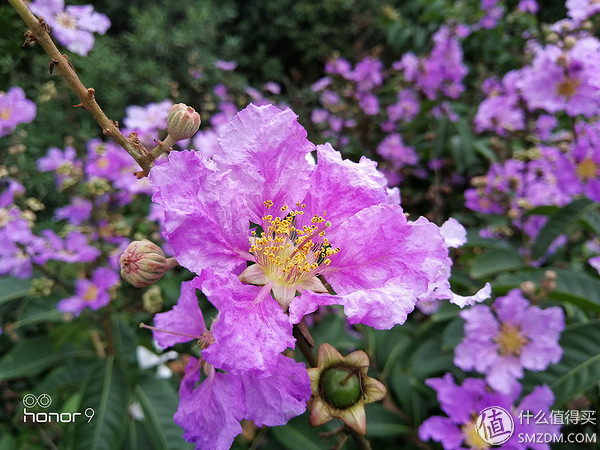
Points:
(206, 220)
(210, 414)
(343, 187)
(185, 317)
(443, 430)
(251, 329)
(265, 149)
(275, 399)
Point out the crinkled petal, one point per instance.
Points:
(511, 308)
(343, 187)
(453, 232)
(210, 414)
(443, 430)
(503, 375)
(275, 399)
(308, 302)
(380, 308)
(458, 402)
(265, 148)
(206, 220)
(251, 329)
(482, 294)
(185, 317)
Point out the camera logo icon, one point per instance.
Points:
(43, 401)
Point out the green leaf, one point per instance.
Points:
(559, 223)
(107, 393)
(572, 287)
(12, 288)
(382, 423)
(299, 435)
(579, 368)
(39, 309)
(159, 401)
(125, 342)
(495, 260)
(591, 220)
(32, 356)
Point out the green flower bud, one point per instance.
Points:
(143, 263)
(340, 386)
(182, 122)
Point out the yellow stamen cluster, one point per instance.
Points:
(568, 87)
(587, 169)
(91, 293)
(510, 340)
(289, 253)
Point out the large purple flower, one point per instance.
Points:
(517, 336)
(14, 109)
(259, 210)
(73, 26)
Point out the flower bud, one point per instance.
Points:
(182, 122)
(143, 263)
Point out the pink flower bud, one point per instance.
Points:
(143, 263)
(182, 122)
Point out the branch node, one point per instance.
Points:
(44, 25)
(29, 38)
(91, 92)
(53, 63)
(79, 105)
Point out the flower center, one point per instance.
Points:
(510, 340)
(587, 169)
(66, 20)
(472, 438)
(289, 255)
(568, 87)
(5, 113)
(91, 294)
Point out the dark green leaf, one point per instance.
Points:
(107, 393)
(299, 435)
(591, 220)
(33, 356)
(579, 368)
(495, 260)
(12, 288)
(559, 223)
(159, 402)
(125, 343)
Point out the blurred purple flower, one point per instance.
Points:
(9, 188)
(72, 249)
(339, 66)
(225, 65)
(580, 10)
(92, 294)
(514, 335)
(529, 6)
(464, 403)
(73, 26)
(393, 149)
(15, 109)
(76, 213)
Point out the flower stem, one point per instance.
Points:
(38, 30)
(305, 347)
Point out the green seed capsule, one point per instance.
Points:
(340, 387)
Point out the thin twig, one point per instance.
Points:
(305, 347)
(38, 32)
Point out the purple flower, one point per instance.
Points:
(595, 263)
(529, 6)
(74, 248)
(18, 244)
(9, 189)
(368, 103)
(309, 216)
(148, 121)
(368, 74)
(225, 65)
(339, 66)
(406, 108)
(580, 10)
(502, 341)
(76, 213)
(72, 25)
(395, 151)
(92, 294)
(64, 164)
(463, 404)
(564, 81)
(210, 412)
(272, 87)
(15, 109)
